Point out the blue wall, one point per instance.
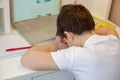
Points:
(28, 9)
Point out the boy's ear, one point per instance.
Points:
(69, 35)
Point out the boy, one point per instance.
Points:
(77, 48)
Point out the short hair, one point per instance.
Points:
(74, 18)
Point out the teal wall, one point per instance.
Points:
(28, 9)
(0, 1)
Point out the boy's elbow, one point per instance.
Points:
(25, 61)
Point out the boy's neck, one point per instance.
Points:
(81, 39)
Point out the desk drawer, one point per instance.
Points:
(60, 75)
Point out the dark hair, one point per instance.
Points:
(75, 19)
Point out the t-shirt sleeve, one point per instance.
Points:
(63, 58)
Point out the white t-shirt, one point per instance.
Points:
(98, 59)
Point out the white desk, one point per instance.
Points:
(11, 68)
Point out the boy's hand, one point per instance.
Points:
(60, 43)
(103, 30)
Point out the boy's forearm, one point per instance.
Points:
(46, 47)
(49, 47)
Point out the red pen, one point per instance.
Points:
(20, 48)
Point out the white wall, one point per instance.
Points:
(98, 8)
(63, 2)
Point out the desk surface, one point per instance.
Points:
(10, 68)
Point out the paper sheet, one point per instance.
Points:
(11, 41)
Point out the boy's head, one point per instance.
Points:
(74, 18)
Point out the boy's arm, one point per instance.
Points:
(39, 57)
(106, 31)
